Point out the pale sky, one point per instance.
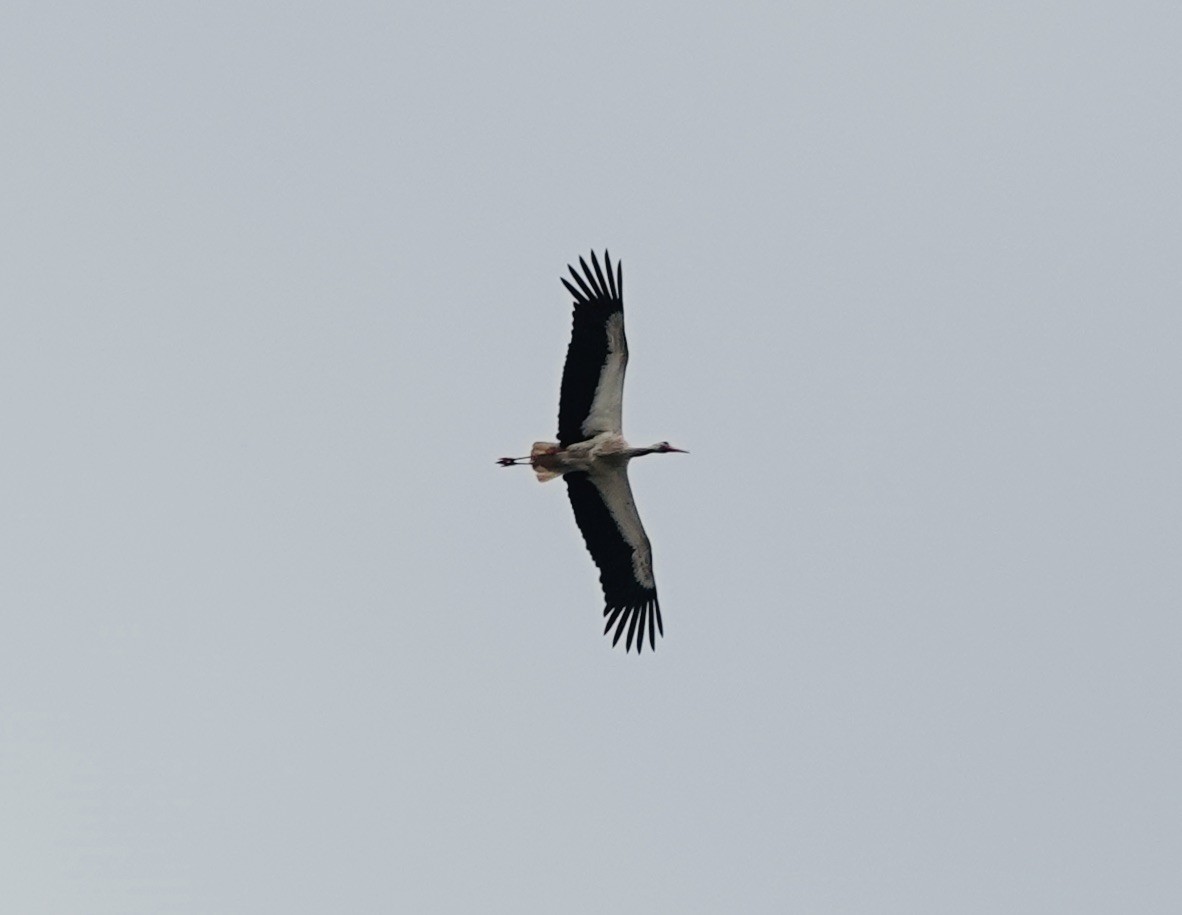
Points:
(280, 282)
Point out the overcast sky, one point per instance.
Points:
(279, 284)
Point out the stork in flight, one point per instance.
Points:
(593, 457)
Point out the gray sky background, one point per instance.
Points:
(279, 284)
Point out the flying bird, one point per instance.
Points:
(592, 456)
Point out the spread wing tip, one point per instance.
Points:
(596, 283)
(636, 619)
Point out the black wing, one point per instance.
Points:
(606, 514)
(598, 351)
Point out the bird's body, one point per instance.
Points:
(592, 455)
(607, 449)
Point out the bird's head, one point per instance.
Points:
(665, 448)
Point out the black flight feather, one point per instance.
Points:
(595, 301)
(628, 603)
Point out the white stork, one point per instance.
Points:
(593, 457)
